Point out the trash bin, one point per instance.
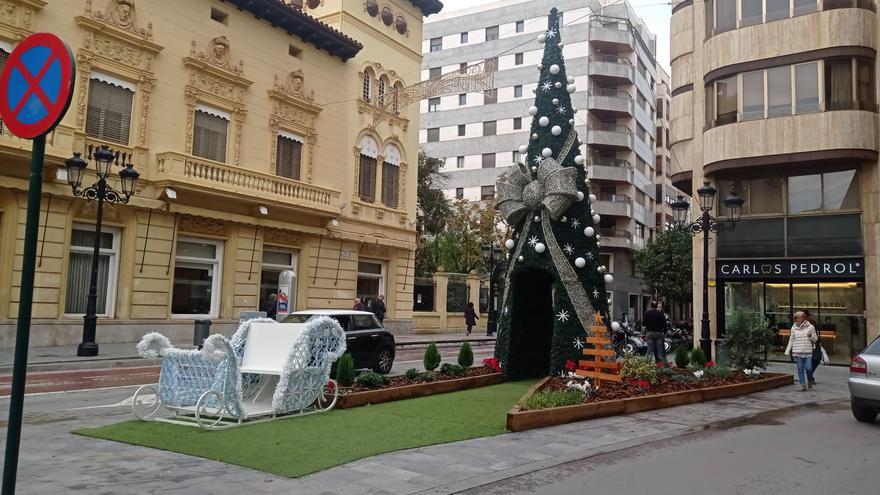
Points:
(201, 331)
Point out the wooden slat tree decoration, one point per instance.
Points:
(602, 366)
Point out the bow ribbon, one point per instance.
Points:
(555, 190)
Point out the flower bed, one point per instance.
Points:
(408, 387)
(672, 388)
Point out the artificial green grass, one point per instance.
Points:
(295, 447)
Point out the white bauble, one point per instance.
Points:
(523, 149)
(556, 130)
(596, 218)
(561, 46)
(544, 121)
(571, 88)
(580, 196)
(557, 85)
(579, 160)
(510, 244)
(574, 110)
(554, 69)
(570, 121)
(570, 79)
(615, 326)
(520, 258)
(534, 169)
(539, 66)
(580, 262)
(608, 278)
(535, 136)
(546, 152)
(542, 38)
(563, 219)
(589, 231)
(540, 248)
(556, 101)
(533, 110)
(592, 197)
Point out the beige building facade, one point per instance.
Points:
(265, 142)
(778, 100)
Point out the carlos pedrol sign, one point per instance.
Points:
(791, 269)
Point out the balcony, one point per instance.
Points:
(615, 238)
(619, 69)
(610, 101)
(225, 181)
(611, 169)
(619, 205)
(609, 135)
(611, 33)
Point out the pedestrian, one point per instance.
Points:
(379, 308)
(800, 346)
(470, 317)
(655, 324)
(271, 306)
(358, 305)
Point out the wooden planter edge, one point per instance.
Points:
(418, 390)
(518, 420)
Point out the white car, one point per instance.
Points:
(864, 383)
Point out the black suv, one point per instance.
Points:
(369, 343)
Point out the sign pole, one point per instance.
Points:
(19, 369)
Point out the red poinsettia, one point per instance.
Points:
(642, 384)
(492, 364)
(570, 366)
(709, 364)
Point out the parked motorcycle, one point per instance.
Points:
(628, 340)
(679, 335)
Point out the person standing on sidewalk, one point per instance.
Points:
(655, 324)
(800, 346)
(470, 317)
(358, 305)
(379, 308)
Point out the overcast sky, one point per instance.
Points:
(655, 13)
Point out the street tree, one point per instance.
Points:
(666, 264)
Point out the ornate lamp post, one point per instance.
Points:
(102, 192)
(706, 224)
(492, 257)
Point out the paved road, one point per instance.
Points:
(810, 451)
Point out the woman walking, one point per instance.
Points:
(800, 346)
(470, 317)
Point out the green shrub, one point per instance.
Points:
(345, 370)
(428, 376)
(682, 357)
(371, 379)
(432, 357)
(680, 378)
(720, 371)
(698, 358)
(639, 368)
(412, 373)
(452, 369)
(554, 398)
(465, 355)
(747, 337)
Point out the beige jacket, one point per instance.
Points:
(802, 338)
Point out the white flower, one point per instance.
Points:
(756, 372)
(698, 373)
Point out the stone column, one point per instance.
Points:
(441, 285)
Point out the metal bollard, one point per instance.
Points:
(201, 331)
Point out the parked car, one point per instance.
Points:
(366, 339)
(864, 383)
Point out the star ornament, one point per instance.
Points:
(575, 223)
(533, 240)
(562, 315)
(562, 110)
(578, 343)
(568, 249)
(537, 160)
(551, 33)
(547, 86)
(595, 293)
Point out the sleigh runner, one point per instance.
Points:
(264, 371)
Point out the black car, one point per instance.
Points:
(369, 343)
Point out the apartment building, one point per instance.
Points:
(610, 54)
(666, 193)
(778, 100)
(263, 145)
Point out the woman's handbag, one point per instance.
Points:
(818, 352)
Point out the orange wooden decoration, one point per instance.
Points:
(597, 368)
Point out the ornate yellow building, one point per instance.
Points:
(265, 142)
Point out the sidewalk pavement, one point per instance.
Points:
(124, 354)
(55, 462)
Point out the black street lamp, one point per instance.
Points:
(102, 192)
(706, 224)
(492, 257)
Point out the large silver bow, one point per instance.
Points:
(555, 189)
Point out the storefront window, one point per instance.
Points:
(370, 281)
(196, 278)
(841, 320)
(275, 262)
(804, 193)
(747, 296)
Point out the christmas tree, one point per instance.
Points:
(553, 284)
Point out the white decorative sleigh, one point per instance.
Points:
(266, 370)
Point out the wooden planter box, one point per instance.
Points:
(519, 420)
(419, 390)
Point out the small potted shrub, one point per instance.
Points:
(698, 358)
(432, 357)
(371, 379)
(465, 355)
(345, 370)
(682, 357)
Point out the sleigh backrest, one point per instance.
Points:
(268, 347)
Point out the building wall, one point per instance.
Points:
(825, 141)
(268, 81)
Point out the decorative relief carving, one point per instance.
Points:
(217, 54)
(293, 86)
(17, 17)
(121, 14)
(374, 250)
(281, 237)
(293, 109)
(202, 225)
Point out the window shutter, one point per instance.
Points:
(288, 158)
(109, 112)
(390, 184)
(209, 136)
(367, 179)
(4, 56)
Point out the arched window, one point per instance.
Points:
(367, 86)
(391, 176)
(398, 89)
(383, 89)
(369, 153)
